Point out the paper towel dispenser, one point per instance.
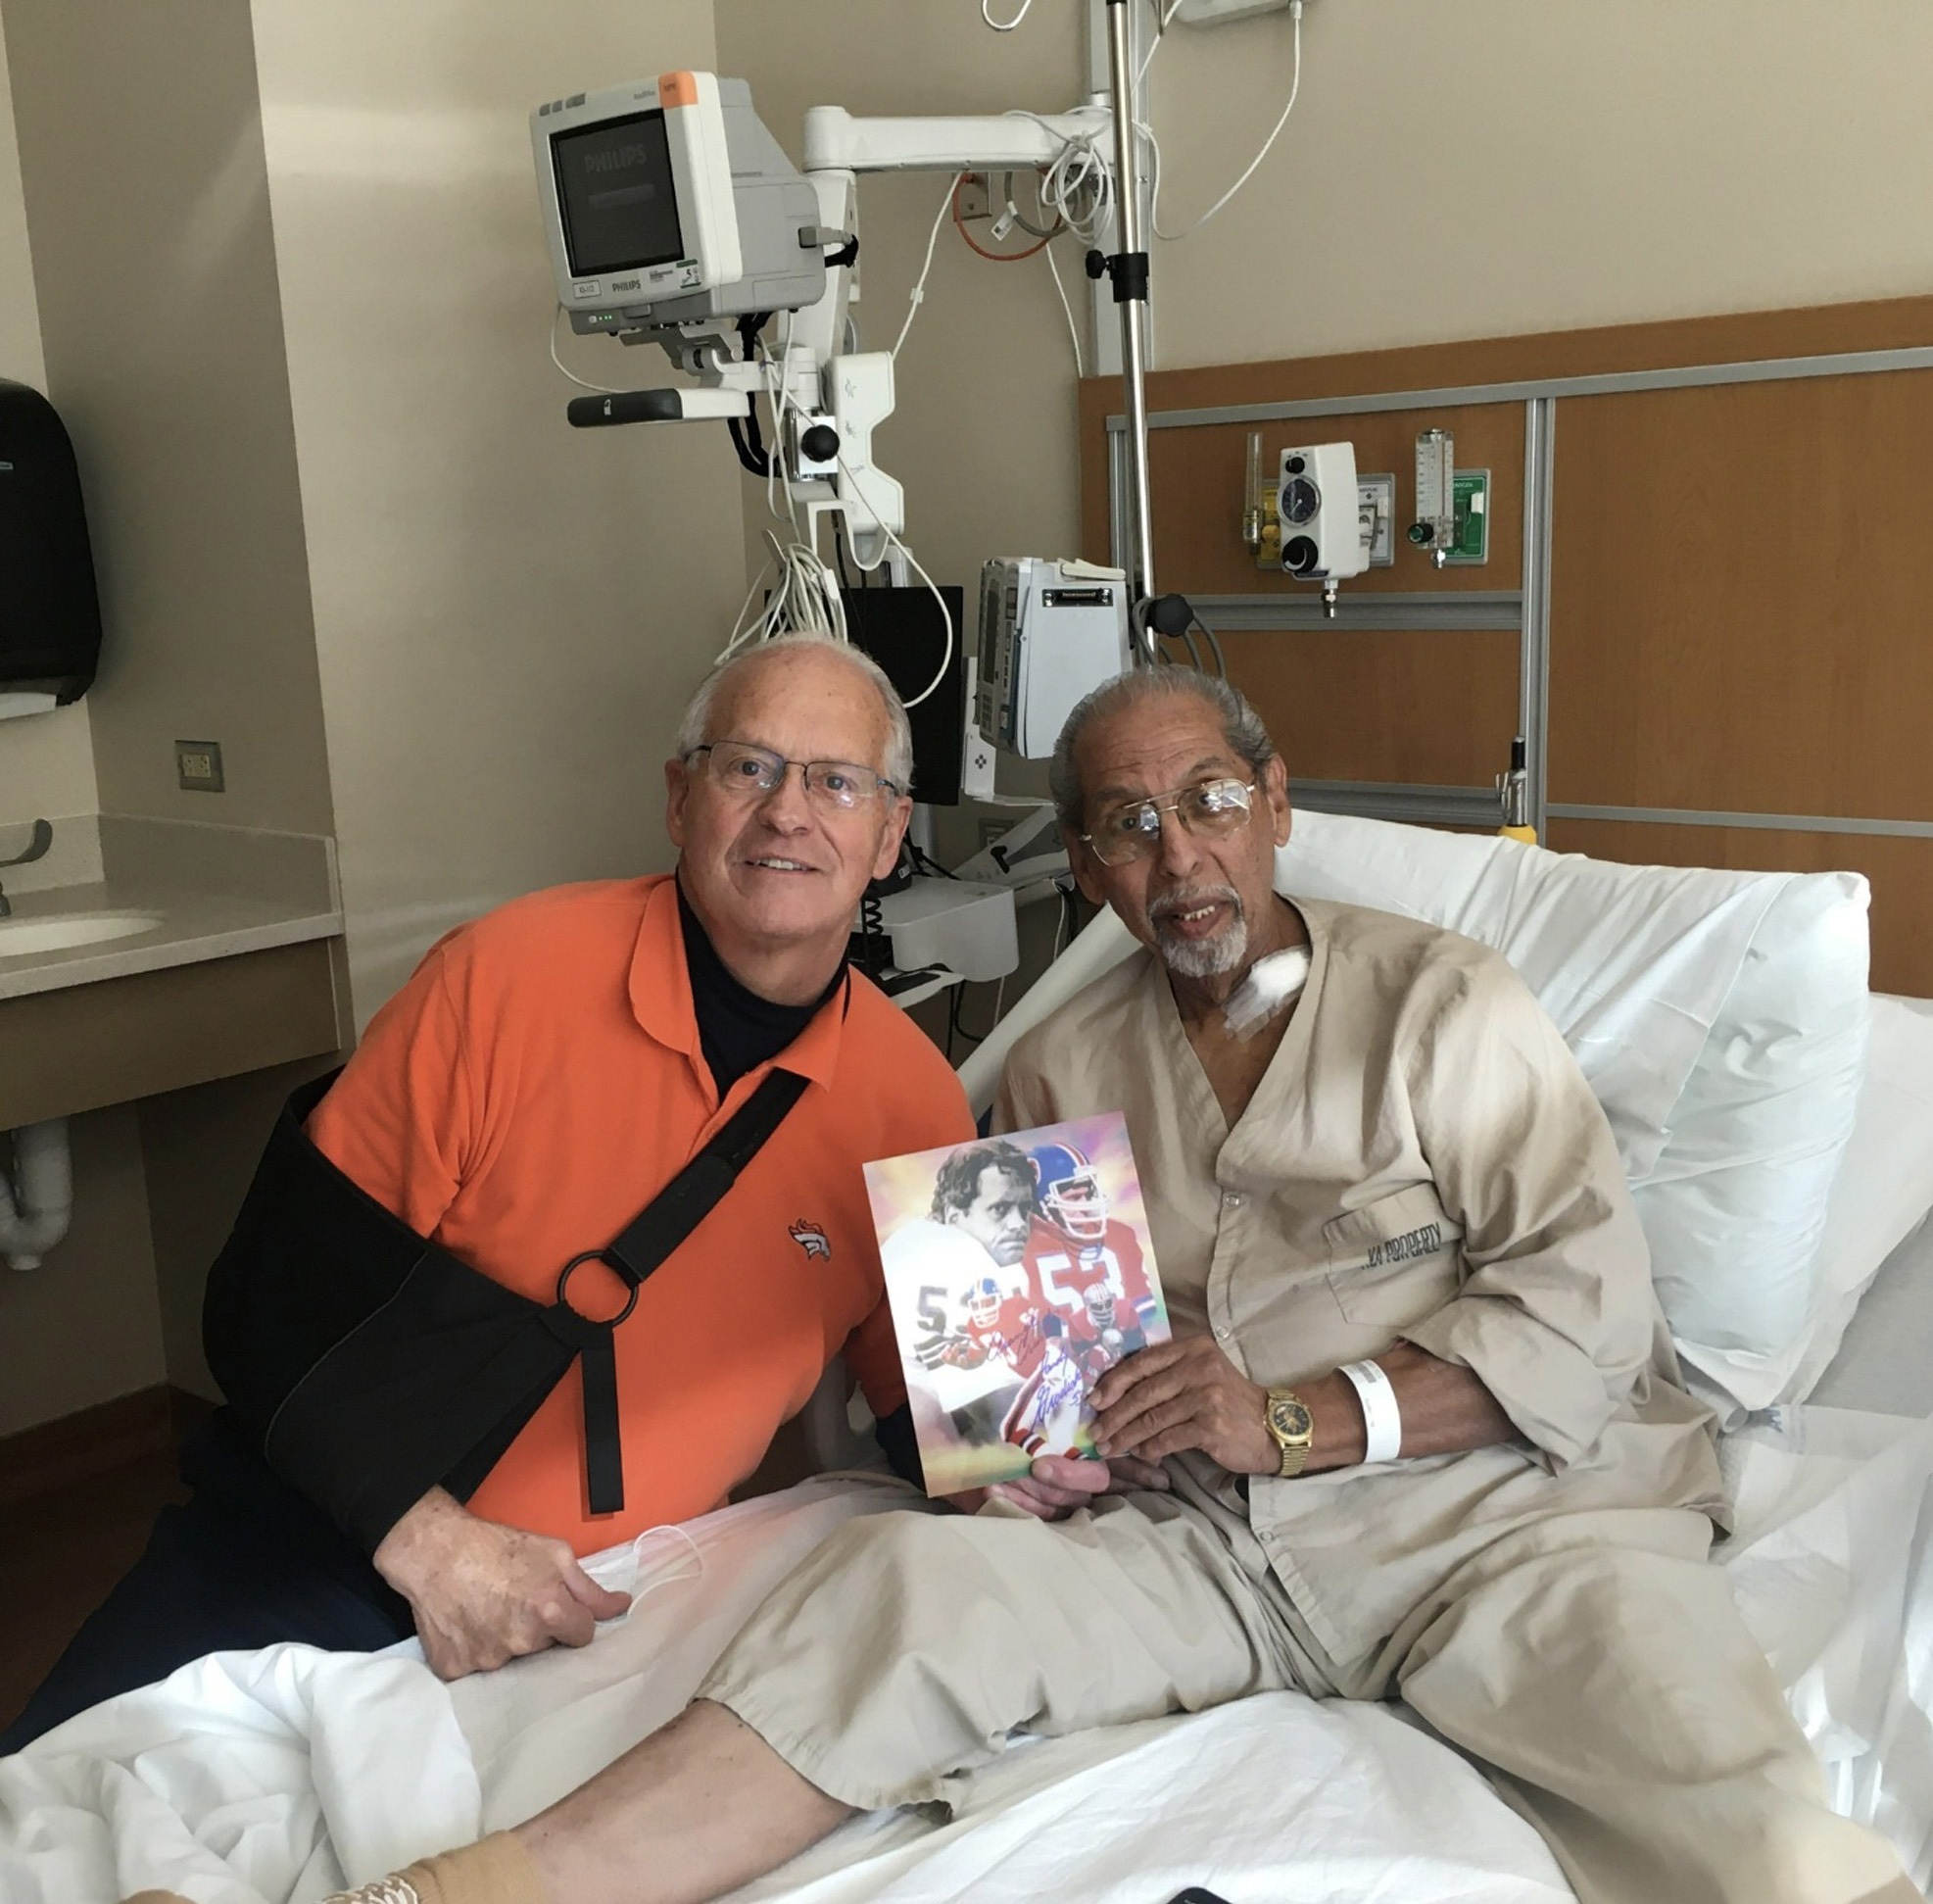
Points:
(50, 616)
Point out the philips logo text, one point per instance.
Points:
(617, 159)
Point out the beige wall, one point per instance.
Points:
(341, 525)
(1602, 165)
(46, 761)
(1599, 166)
(175, 395)
(508, 611)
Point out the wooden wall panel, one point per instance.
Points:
(1738, 608)
(1893, 323)
(1901, 871)
(1200, 480)
(1432, 710)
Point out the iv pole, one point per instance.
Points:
(1127, 270)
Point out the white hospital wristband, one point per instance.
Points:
(1380, 1414)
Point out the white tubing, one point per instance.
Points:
(36, 1203)
(1100, 946)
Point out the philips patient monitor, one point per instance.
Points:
(668, 202)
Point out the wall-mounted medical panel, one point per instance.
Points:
(1415, 681)
(1198, 477)
(1705, 541)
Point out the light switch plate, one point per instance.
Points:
(198, 766)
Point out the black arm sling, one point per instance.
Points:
(371, 1365)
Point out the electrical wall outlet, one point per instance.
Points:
(198, 766)
(990, 830)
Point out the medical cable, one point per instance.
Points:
(912, 563)
(1064, 886)
(1214, 645)
(1006, 25)
(806, 595)
(670, 1580)
(1019, 217)
(805, 599)
(932, 238)
(583, 383)
(1044, 248)
(1165, 18)
(1146, 132)
(997, 256)
(924, 862)
(1073, 333)
(1077, 169)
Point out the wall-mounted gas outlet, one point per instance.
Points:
(198, 766)
(1470, 501)
(1375, 504)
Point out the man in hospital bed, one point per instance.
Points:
(1400, 1171)
(541, 1076)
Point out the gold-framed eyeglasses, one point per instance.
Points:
(753, 773)
(1131, 829)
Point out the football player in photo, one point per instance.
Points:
(1076, 1246)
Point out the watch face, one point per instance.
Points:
(1290, 1419)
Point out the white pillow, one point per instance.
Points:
(1884, 1188)
(1720, 1018)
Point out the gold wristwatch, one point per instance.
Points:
(1294, 1427)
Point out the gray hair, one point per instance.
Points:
(957, 1187)
(898, 765)
(1242, 725)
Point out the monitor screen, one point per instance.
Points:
(902, 630)
(614, 190)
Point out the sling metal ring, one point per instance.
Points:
(617, 1269)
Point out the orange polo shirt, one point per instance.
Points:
(536, 1083)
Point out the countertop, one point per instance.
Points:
(217, 891)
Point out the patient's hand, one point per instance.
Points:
(1185, 1395)
(484, 1594)
(1059, 1484)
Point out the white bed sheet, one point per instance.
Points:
(1885, 1361)
(257, 1778)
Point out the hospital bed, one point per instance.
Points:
(1693, 1001)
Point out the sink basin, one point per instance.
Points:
(64, 931)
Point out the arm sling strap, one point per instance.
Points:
(371, 1365)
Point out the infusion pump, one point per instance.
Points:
(1049, 632)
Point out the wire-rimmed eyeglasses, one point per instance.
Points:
(756, 771)
(1132, 828)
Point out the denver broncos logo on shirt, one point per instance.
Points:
(810, 1239)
